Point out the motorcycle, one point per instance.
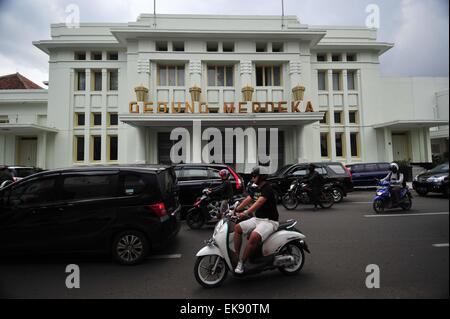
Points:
(206, 210)
(283, 250)
(299, 193)
(383, 200)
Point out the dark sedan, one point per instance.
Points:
(433, 181)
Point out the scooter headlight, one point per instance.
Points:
(379, 193)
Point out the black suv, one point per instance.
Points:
(435, 181)
(124, 210)
(193, 178)
(334, 173)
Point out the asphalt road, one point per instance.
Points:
(343, 241)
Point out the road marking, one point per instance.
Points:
(406, 215)
(440, 245)
(173, 256)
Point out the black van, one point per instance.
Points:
(124, 210)
(367, 174)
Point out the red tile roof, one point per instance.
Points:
(17, 82)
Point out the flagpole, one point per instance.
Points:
(154, 13)
(282, 14)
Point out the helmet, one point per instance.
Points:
(394, 167)
(224, 174)
(256, 172)
(312, 167)
(251, 188)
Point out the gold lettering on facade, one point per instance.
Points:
(228, 108)
(134, 107)
(309, 107)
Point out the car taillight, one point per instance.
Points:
(159, 209)
(349, 172)
(236, 178)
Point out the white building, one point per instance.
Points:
(89, 114)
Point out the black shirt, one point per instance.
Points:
(269, 208)
(224, 190)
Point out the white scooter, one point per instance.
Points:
(283, 250)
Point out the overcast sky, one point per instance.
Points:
(418, 28)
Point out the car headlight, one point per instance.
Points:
(434, 179)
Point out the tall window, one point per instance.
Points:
(96, 80)
(322, 76)
(113, 119)
(338, 117)
(324, 145)
(353, 117)
(96, 119)
(268, 75)
(79, 148)
(171, 75)
(80, 81)
(113, 149)
(337, 81)
(354, 137)
(340, 144)
(351, 83)
(96, 148)
(113, 77)
(80, 119)
(220, 76)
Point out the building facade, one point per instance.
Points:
(117, 92)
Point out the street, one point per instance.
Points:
(411, 251)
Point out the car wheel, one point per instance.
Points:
(338, 194)
(422, 191)
(130, 247)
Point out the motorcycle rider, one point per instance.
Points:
(224, 191)
(396, 180)
(315, 180)
(264, 221)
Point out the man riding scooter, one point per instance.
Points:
(224, 191)
(396, 180)
(264, 222)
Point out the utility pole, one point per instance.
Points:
(282, 14)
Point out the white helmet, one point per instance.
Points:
(394, 167)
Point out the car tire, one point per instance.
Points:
(130, 247)
(338, 194)
(422, 192)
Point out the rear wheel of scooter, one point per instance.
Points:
(326, 200)
(289, 201)
(407, 204)
(203, 271)
(195, 218)
(295, 250)
(378, 206)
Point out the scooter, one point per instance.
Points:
(283, 250)
(299, 193)
(206, 210)
(383, 200)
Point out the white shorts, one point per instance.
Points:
(264, 227)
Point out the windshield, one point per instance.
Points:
(280, 171)
(443, 168)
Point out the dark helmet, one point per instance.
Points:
(257, 172)
(312, 167)
(224, 174)
(394, 167)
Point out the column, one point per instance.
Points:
(389, 152)
(42, 151)
(140, 147)
(348, 153)
(331, 118)
(429, 153)
(87, 132)
(301, 156)
(104, 156)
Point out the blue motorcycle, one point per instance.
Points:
(384, 200)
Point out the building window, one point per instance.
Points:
(171, 75)
(353, 117)
(277, 47)
(96, 56)
(261, 47)
(212, 46)
(80, 119)
(220, 75)
(337, 86)
(324, 145)
(228, 47)
(96, 119)
(80, 56)
(113, 119)
(351, 57)
(161, 46)
(4, 119)
(336, 57)
(96, 148)
(96, 80)
(268, 75)
(113, 79)
(112, 148)
(321, 57)
(178, 46)
(113, 56)
(80, 80)
(338, 117)
(325, 118)
(351, 83)
(340, 144)
(79, 148)
(322, 77)
(354, 144)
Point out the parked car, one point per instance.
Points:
(433, 181)
(367, 174)
(334, 173)
(193, 178)
(123, 210)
